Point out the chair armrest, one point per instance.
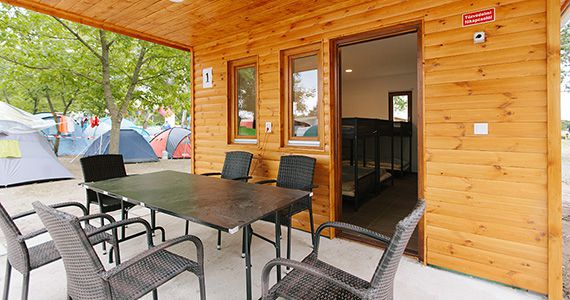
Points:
(190, 238)
(58, 205)
(97, 216)
(304, 268)
(266, 181)
(211, 174)
(349, 227)
(33, 234)
(243, 178)
(113, 226)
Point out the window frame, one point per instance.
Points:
(287, 119)
(391, 96)
(233, 127)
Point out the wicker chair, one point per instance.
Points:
(315, 279)
(295, 172)
(107, 166)
(24, 258)
(86, 277)
(236, 167)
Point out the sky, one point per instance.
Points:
(565, 106)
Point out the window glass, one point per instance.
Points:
(246, 95)
(401, 106)
(304, 96)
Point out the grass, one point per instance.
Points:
(245, 131)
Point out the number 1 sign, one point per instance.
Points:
(207, 81)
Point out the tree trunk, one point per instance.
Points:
(55, 118)
(146, 119)
(115, 137)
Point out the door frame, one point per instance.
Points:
(336, 113)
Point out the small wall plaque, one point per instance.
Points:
(207, 80)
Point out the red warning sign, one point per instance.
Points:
(479, 17)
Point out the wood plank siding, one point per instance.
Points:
(487, 196)
(494, 203)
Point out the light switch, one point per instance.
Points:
(268, 127)
(481, 128)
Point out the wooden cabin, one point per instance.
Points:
(487, 111)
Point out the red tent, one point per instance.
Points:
(176, 141)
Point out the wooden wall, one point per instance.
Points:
(487, 195)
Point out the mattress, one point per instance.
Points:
(397, 164)
(348, 188)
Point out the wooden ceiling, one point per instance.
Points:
(179, 25)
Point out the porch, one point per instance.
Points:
(224, 268)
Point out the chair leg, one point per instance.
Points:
(243, 245)
(124, 216)
(26, 286)
(7, 280)
(312, 223)
(219, 246)
(154, 294)
(153, 221)
(289, 241)
(250, 238)
(202, 282)
(187, 229)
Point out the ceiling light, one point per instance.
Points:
(176, 1)
(348, 70)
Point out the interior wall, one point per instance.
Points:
(368, 98)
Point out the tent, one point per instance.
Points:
(132, 146)
(25, 155)
(71, 143)
(176, 141)
(105, 125)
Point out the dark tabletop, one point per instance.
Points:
(223, 204)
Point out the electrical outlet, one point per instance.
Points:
(268, 127)
(481, 128)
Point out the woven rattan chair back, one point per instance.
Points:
(236, 164)
(101, 167)
(382, 283)
(82, 266)
(296, 172)
(16, 249)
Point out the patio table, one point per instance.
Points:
(222, 204)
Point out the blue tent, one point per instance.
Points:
(105, 125)
(72, 143)
(132, 146)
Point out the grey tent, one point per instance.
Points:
(31, 158)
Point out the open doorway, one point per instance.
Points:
(377, 90)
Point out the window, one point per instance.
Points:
(301, 92)
(243, 100)
(400, 106)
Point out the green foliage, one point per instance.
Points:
(565, 125)
(565, 57)
(42, 56)
(245, 131)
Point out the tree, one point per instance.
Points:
(565, 57)
(88, 69)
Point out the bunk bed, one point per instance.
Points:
(367, 162)
(359, 176)
(397, 135)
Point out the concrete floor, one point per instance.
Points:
(225, 271)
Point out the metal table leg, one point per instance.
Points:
(278, 243)
(247, 262)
